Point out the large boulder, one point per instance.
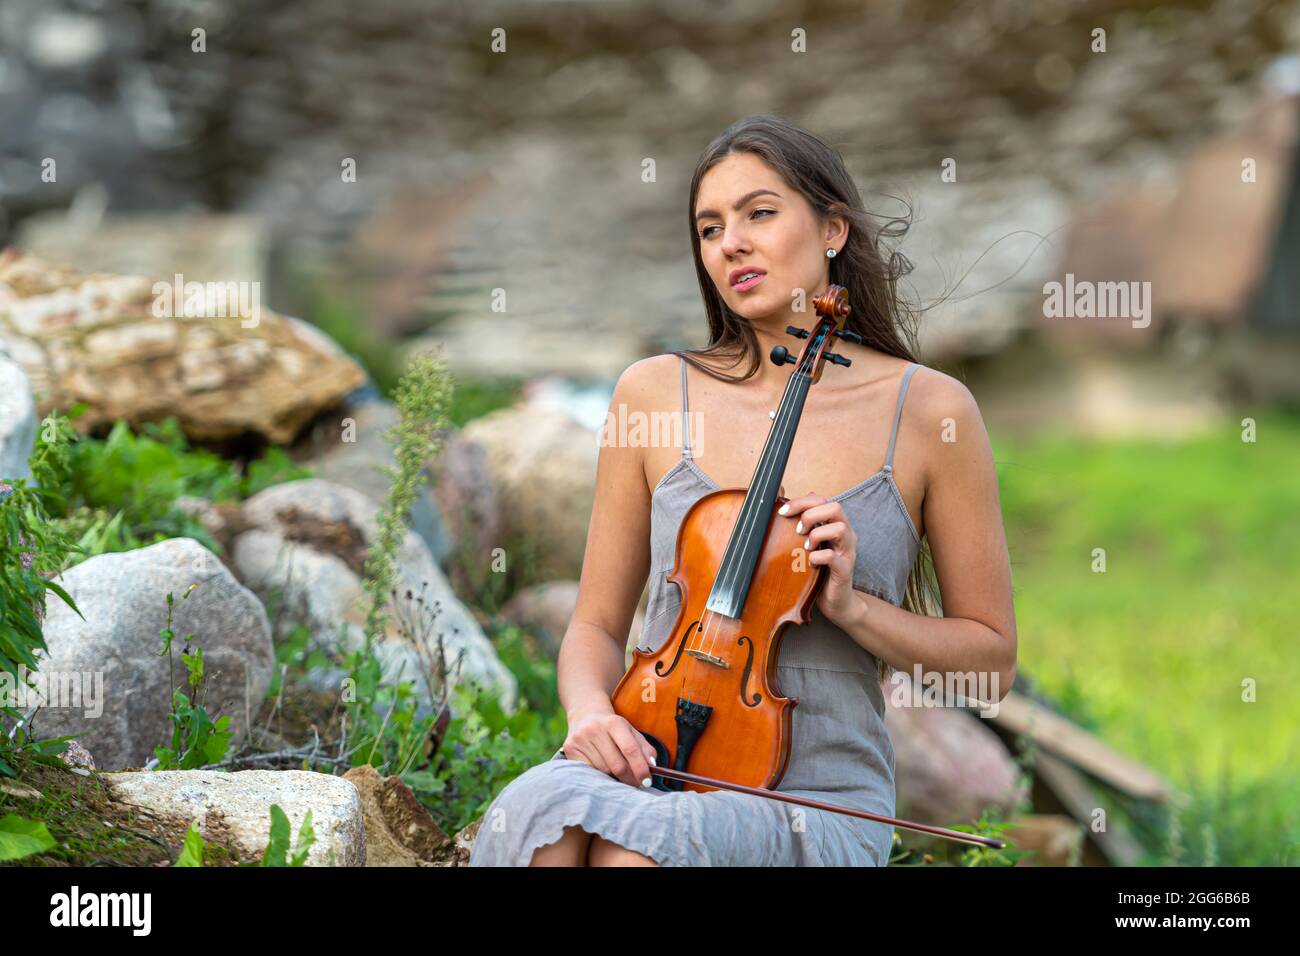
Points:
(244, 800)
(305, 551)
(543, 466)
(115, 648)
(99, 339)
(546, 610)
(17, 418)
(470, 510)
(352, 449)
(399, 831)
(949, 766)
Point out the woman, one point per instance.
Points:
(773, 211)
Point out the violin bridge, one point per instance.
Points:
(708, 658)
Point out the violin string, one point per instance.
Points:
(751, 519)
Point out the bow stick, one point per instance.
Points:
(958, 835)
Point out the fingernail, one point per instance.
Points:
(807, 544)
(798, 529)
(783, 510)
(652, 761)
(645, 782)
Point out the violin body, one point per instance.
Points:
(707, 700)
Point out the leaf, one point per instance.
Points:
(192, 851)
(20, 837)
(277, 846)
(306, 837)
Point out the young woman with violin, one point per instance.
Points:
(792, 539)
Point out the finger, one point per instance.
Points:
(797, 505)
(831, 532)
(630, 742)
(575, 751)
(819, 514)
(614, 760)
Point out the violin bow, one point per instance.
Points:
(958, 835)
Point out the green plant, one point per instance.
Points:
(483, 749)
(32, 549)
(197, 740)
(192, 850)
(987, 856)
(421, 397)
(20, 837)
(277, 847)
(383, 720)
(122, 490)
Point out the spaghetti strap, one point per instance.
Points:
(898, 416)
(686, 424)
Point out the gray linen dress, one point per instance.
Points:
(840, 750)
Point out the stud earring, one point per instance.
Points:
(830, 253)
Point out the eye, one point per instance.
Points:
(705, 233)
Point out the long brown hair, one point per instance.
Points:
(885, 322)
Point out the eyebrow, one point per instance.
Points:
(706, 213)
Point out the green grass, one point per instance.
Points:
(476, 398)
(1202, 549)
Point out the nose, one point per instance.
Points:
(734, 240)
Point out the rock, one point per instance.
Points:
(19, 791)
(96, 338)
(122, 597)
(244, 801)
(464, 842)
(399, 831)
(545, 611)
(232, 247)
(357, 464)
(309, 539)
(1056, 839)
(467, 503)
(543, 466)
(1172, 235)
(948, 765)
(17, 420)
(77, 756)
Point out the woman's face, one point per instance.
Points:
(749, 220)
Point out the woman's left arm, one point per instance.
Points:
(962, 517)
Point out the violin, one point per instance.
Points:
(707, 701)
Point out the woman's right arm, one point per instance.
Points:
(615, 566)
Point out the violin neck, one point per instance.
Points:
(736, 572)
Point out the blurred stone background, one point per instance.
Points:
(522, 170)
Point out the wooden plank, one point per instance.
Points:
(1019, 715)
(1080, 800)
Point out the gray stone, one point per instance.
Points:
(358, 464)
(304, 552)
(244, 801)
(122, 597)
(17, 420)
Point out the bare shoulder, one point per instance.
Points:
(944, 428)
(645, 377)
(933, 396)
(649, 384)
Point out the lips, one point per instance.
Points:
(755, 275)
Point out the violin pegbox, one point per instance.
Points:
(832, 308)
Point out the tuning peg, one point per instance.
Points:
(849, 336)
(797, 333)
(781, 356)
(838, 359)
